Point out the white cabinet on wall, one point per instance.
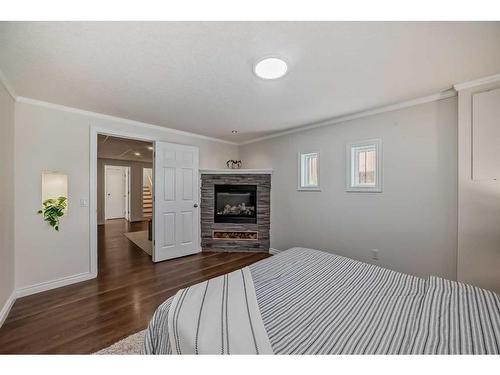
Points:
(486, 135)
(478, 256)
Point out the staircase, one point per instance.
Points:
(147, 202)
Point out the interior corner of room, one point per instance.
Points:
(141, 195)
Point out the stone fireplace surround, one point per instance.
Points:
(259, 177)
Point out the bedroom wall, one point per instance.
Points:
(50, 138)
(413, 222)
(136, 177)
(6, 200)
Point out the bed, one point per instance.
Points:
(312, 302)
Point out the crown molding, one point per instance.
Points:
(5, 83)
(41, 103)
(477, 82)
(335, 120)
(370, 112)
(393, 107)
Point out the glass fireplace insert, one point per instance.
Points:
(235, 204)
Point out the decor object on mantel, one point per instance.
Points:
(52, 210)
(233, 164)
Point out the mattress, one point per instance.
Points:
(313, 302)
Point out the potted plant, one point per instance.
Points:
(53, 209)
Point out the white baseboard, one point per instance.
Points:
(274, 251)
(6, 308)
(47, 285)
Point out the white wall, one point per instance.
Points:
(6, 198)
(53, 139)
(136, 177)
(413, 222)
(478, 208)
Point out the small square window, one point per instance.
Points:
(364, 167)
(309, 171)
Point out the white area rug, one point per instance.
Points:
(141, 239)
(129, 345)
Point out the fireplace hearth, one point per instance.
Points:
(235, 204)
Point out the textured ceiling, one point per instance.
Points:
(123, 149)
(197, 76)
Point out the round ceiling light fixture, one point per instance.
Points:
(270, 68)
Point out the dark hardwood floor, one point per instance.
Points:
(88, 316)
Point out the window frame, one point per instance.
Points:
(300, 187)
(352, 150)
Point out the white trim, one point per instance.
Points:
(273, 251)
(128, 185)
(477, 82)
(6, 308)
(374, 111)
(40, 103)
(355, 115)
(5, 82)
(93, 201)
(52, 284)
(236, 171)
(299, 172)
(94, 131)
(350, 187)
(335, 120)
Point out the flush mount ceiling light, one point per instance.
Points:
(270, 68)
(137, 153)
(150, 148)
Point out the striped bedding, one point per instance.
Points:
(218, 316)
(312, 302)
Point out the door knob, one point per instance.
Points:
(195, 205)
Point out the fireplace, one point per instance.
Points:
(231, 231)
(235, 204)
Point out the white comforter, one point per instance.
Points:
(218, 316)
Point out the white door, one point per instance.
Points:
(115, 190)
(176, 197)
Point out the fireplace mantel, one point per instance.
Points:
(236, 171)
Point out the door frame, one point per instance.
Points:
(127, 189)
(94, 132)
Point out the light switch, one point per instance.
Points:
(84, 203)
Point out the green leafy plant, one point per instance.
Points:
(52, 210)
